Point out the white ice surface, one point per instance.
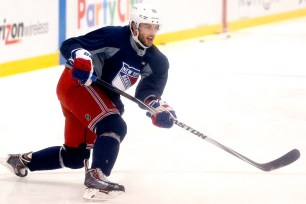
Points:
(246, 90)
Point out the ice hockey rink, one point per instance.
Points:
(245, 89)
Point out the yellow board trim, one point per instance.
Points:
(29, 64)
(232, 26)
(187, 34)
(245, 23)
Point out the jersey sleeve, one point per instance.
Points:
(154, 76)
(91, 41)
(67, 46)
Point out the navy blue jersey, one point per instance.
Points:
(117, 60)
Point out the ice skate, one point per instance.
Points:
(18, 163)
(98, 187)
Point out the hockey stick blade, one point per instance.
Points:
(284, 160)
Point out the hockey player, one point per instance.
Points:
(118, 55)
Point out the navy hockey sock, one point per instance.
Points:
(45, 159)
(105, 153)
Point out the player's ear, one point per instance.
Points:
(134, 27)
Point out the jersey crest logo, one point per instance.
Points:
(126, 77)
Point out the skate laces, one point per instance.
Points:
(26, 158)
(98, 174)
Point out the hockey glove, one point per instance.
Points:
(82, 66)
(164, 116)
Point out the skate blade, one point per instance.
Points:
(3, 161)
(96, 194)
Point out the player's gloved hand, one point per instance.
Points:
(82, 66)
(164, 116)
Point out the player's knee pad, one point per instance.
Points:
(73, 157)
(112, 124)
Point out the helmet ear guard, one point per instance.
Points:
(135, 37)
(143, 13)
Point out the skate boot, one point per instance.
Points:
(18, 163)
(98, 187)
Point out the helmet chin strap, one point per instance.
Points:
(135, 37)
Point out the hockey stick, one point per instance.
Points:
(284, 160)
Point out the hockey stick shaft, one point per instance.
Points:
(285, 160)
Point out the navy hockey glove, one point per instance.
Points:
(164, 116)
(82, 66)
